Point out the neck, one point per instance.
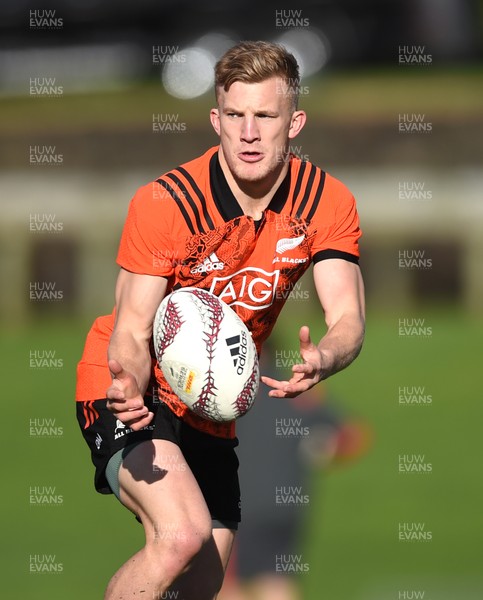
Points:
(253, 196)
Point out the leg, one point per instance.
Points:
(157, 485)
(273, 587)
(204, 579)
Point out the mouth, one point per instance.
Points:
(250, 156)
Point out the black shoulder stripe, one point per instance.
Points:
(298, 183)
(308, 189)
(318, 194)
(178, 201)
(330, 253)
(190, 200)
(199, 193)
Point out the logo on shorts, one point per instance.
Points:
(121, 429)
(98, 441)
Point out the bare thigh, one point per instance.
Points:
(158, 486)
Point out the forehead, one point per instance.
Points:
(270, 93)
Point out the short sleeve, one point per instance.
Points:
(336, 223)
(148, 239)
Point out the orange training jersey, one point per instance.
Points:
(188, 227)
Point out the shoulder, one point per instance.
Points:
(316, 192)
(312, 173)
(336, 188)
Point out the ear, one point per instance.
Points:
(297, 123)
(215, 119)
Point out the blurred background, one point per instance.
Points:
(100, 97)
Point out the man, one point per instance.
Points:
(245, 220)
(283, 446)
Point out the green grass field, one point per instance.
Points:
(351, 541)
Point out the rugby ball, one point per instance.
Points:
(206, 354)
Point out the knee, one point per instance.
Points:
(189, 541)
(173, 547)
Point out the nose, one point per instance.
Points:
(250, 131)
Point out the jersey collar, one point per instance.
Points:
(225, 200)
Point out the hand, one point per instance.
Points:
(305, 375)
(124, 399)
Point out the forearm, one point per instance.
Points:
(133, 354)
(341, 344)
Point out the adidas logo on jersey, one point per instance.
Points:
(211, 263)
(238, 346)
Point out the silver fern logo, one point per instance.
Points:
(288, 244)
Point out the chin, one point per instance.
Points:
(251, 176)
(253, 172)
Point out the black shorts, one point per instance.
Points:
(212, 460)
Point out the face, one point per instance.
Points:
(255, 122)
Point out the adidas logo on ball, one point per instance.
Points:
(238, 349)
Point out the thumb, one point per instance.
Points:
(116, 369)
(126, 380)
(304, 337)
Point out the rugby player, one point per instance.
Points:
(245, 221)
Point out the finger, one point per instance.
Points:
(141, 422)
(291, 390)
(282, 393)
(279, 390)
(306, 368)
(129, 416)
(278, 386)
(134, 421)
(276, 394)
(123, 380)
(128, 407)
(274, 383)
(125, 405)
(118, 372)
(115, 393)
(307, 347)
(115, 367)
(304, 335)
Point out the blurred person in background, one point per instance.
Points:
(284, 444)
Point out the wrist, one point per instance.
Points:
(326, 363)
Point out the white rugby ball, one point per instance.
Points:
(206, 354)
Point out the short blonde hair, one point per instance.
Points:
(253, 62)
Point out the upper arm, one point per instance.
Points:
(340, 290)
(137, 299)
